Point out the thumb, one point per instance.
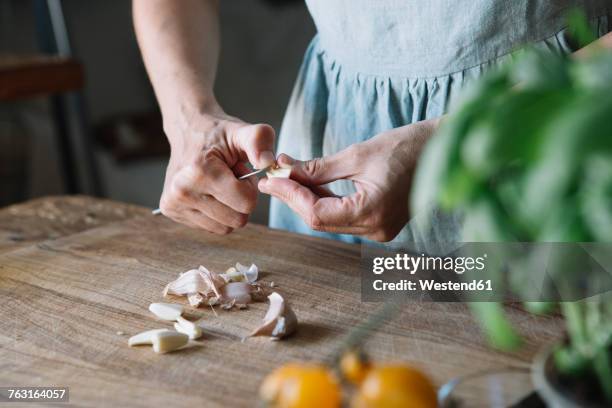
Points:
(255, 144)
(321, 170)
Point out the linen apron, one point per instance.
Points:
(380, 64)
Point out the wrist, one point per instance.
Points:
(183, 117)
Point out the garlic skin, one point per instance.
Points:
(240, 273)
(167, 341)
(166, 311)
(250, 273)
(236, 292)
(199, 280)
(280, 320)
(195, 299)
(144, 338)
(203, 287)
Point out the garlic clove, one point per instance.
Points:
(166, 311)
(237, 292)
(167, 341)
(144, 337)
(280, 320)
(192, 334)
(188, 327)
(279, 172)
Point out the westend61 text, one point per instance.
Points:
(432, 285)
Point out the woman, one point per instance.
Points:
(373, 84)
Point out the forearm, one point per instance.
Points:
(179, 41)
(603, 42)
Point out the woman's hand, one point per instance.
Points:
(208, 153)
(381, 170)
(180, 46)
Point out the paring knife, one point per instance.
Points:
(157, 211)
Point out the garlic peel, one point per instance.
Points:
(199, 280)
(195, 299)
(166, 311)
(241, 273)
(280, 320)
(237, 292)
(187, 282)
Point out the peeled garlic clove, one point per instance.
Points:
(238, 292)
(280, 320)
(192, 334)
(166, 311)
(167, 341)
(188, 327)
(144, 337)
(279, 172)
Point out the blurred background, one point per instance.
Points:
(77, 112)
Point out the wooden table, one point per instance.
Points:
(70, 295)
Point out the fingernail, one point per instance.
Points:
(266, 159)
(284, 159)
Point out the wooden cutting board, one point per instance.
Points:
(68, 306)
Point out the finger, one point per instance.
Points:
(321, 170)
(330, 214)
(255, 144)
(285, 160)
(200, 220)
(220, 182)
(219, 212)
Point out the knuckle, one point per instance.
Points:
(314, 166)
(314, 221)
(224, 230)
(264, 132)
(249, 203)
(386, 234)
(241, 220)
(181, 192)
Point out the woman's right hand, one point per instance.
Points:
(208, 154)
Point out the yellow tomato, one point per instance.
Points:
(354, 366)
(395, 386)
(301, 386)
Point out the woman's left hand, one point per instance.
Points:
(381, 169)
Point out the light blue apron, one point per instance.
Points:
(380, 64)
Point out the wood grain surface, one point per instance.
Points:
(57, 216)
(68, 306)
